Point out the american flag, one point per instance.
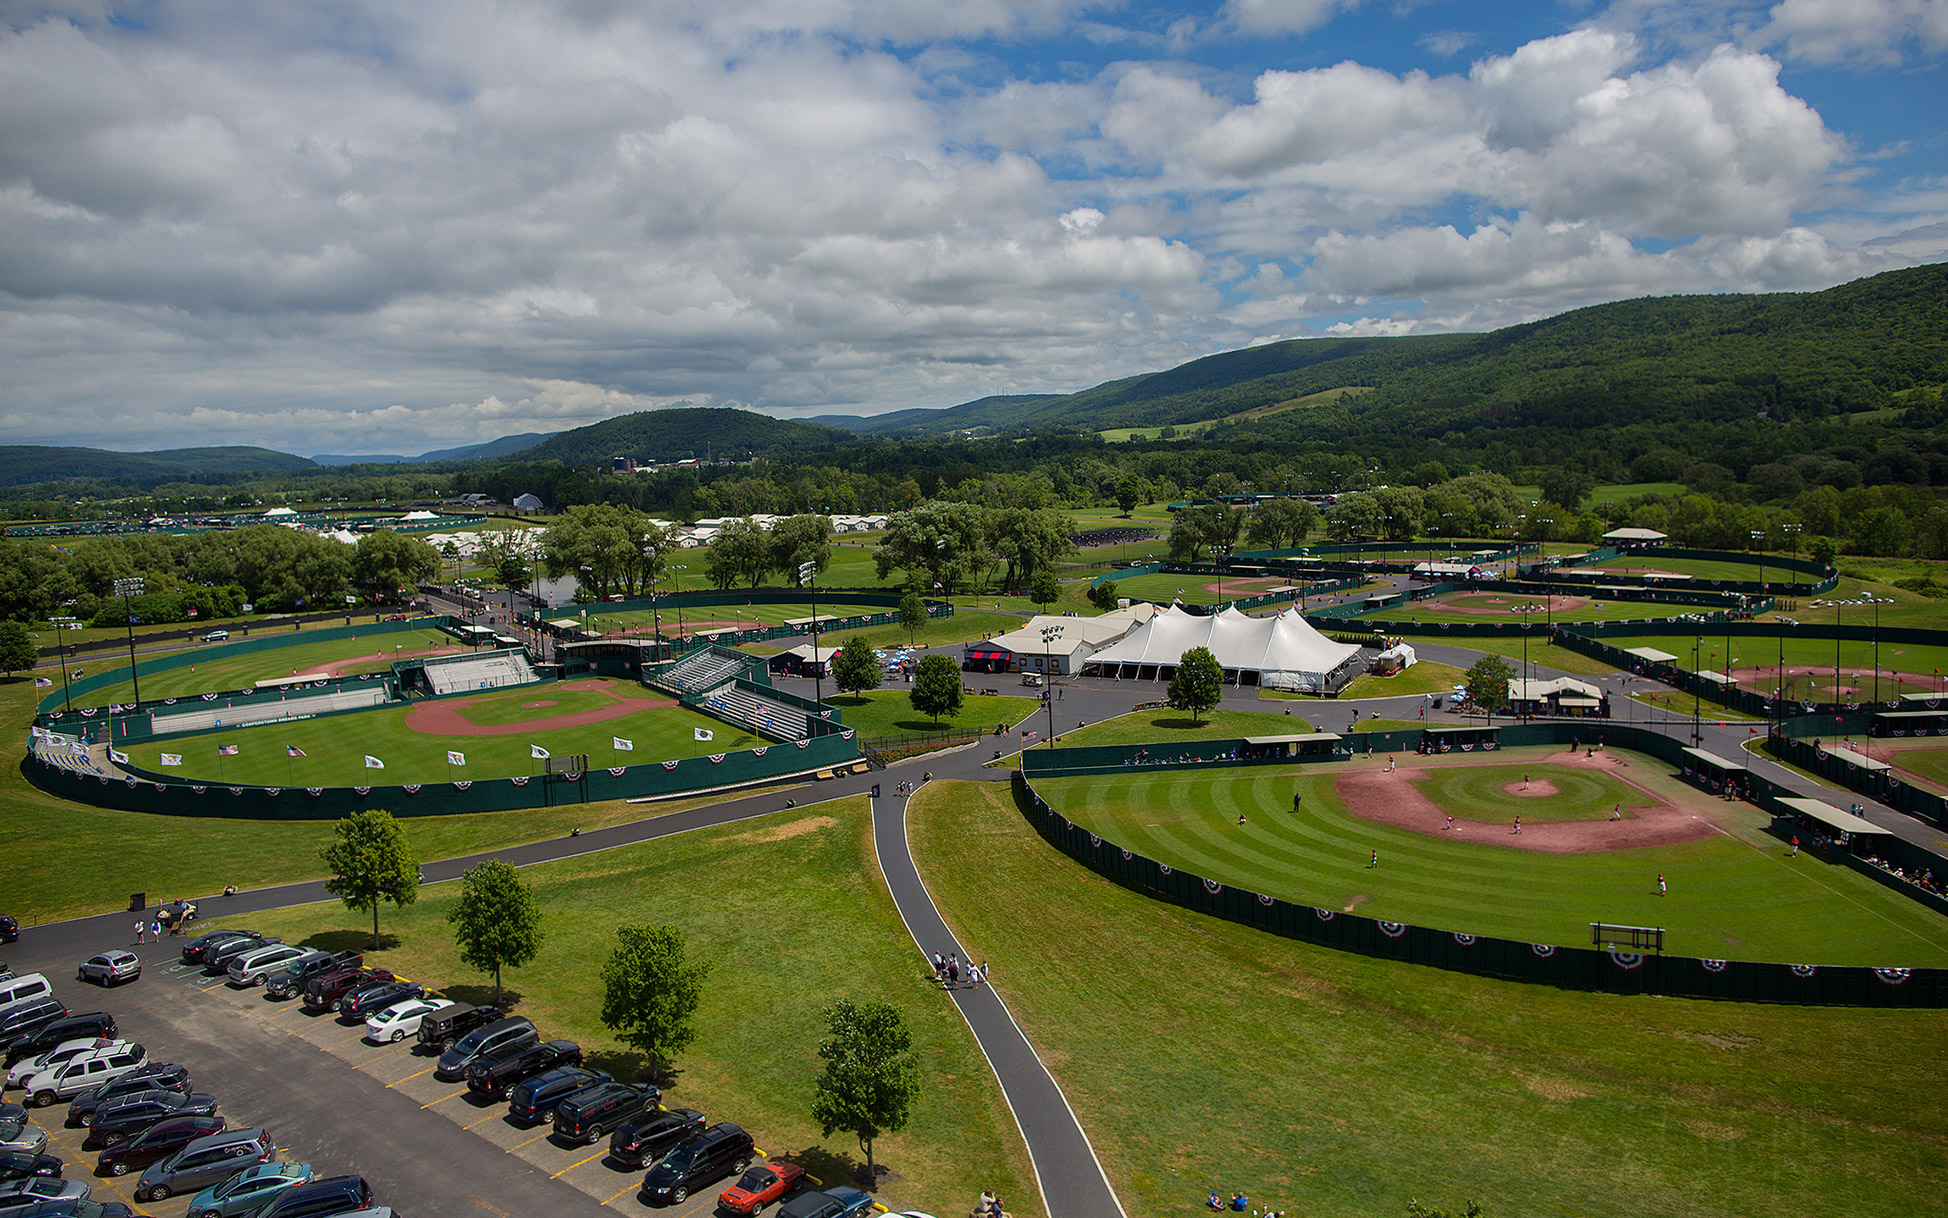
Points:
(226, 750)
(292, 750)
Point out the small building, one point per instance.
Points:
(1559, 696)
(1636, 537)
(527, 503)
(803, 660)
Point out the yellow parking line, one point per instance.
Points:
(619, 1192)
(577, 1163)
(443, 1099)
(483, 1120)
(410, 1077)
(518, 1145)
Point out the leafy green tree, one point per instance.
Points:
(1198, 683)
(387, 561)
(17, 650)
(1103, 595)
(871, 1077)
(1044, 588)
(1822, 550)
(1355, 516)
(1129, 493)
(513, 573)
(937, 544)
(496, 921)
(650, 992)
(1212, 527)
(1281, 524)
(797, 540)
(1028, 540)
(1568, 487)
(371, 861)
(936, 687)
(1487, 682)
(913, 613)
(856, 667)
(739, 555)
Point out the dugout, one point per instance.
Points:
(1714, 773)
(1307, 744)
(1815, 815)
(1910, 723)
(1459, 739)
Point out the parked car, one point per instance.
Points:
(496, 1037)
(256, 967)
(837, 1201)
(332, 1195)
(206, 1161)
(17, 1133)
(16, 990)
(444, 1030)
(248, 1189)
(649, 1135)
(401, 1019)
(87, 1208)
(760, 1186)
(138, 1113)
(370, 999)
(216, 961)
(99, 1024)
(19, 1164)
(322, 992)
(493, 1076)
(534, 1099)
(157, 1141)
(588, 1116)
(18, 1194)
(110, 968)
(198, 948)
(290, 982)
(23, 1019)
(9, 928)
(47, 1059)
(149, 1076)
(722, 1150)
(216, 636)
(83, 1073)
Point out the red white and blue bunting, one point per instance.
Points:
(617, 771)
(1542, 950)
(761, 750)
(1803, 970)
(1714, 966)
(1894, 976)
(362, 791)
(519, 782)
(1392, 930)
(463, 784)
(411, 788)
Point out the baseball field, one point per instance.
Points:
(1505, 607)
(494, 733)
(223, 673)
(1595, 835)
(1904, 668)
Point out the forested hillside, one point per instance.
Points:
(22, 464)
(671, 435)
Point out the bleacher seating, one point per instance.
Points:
(210, 716)
(66, 753)
(705, 669)
(490, 670)
(765, 716)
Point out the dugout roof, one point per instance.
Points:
(1652, 654)
(1856, 759)
(1306, 738)
(1832, 817)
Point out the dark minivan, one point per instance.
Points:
(149, 1076)
(535, 1099)
(637, 1142)
(290, 982)
(493, 1075)
(491, 1041)
(23, 1019)
(322, 992)
(588, 1116)
(444, 1029)
(163, 1138)
(66, 1028)
(722, 1150)
(332, 1195)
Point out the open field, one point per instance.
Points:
(224, 674)
(1540, 654)
(1618, 492)
(1506, 607)
(1734, 894)
(1197, 589)
(566, 718)
(1167, 728)
(1201, 1055)
(820, 926)
(889, 712)
(609, 618)
(1905, 668)
(1425, 677)
(1700, 570)
(1906, 609)
(964, 627)
(1923, 762)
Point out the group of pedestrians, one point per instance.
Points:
(952, 974)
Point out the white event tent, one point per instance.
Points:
(1278, 652)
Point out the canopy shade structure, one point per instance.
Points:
(1652, 654)
(1832, 817)
(1282, 651)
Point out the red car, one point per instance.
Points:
(759, 1187)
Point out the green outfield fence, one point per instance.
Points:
(1822, 577)
(887, 616)
(1579, 968)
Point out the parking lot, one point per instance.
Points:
(330, 1098)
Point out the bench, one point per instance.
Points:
(822, 775)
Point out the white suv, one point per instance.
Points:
(81, 1073)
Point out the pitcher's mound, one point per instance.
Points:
(1532, 790)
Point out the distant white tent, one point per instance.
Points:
(1279, 652)
(276, 512)
(420, 516)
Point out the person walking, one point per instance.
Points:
(1616, 812)
(141, 931)
(1241, 818)
(1518, 824)
(1450, 821)
(155, 930)
(1795, 849)
(1662, 888)
(1375, 862)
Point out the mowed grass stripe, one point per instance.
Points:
(1733, 894)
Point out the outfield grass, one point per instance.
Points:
(1448, 609)
(335, 747)
(1907, 609)
(889, 712)
(1540, 654)
(226, 674)
(608, 619)
(963, 627)
(1163, 588)
(1700, 569)
(1204, 1056)
(1166, 728)
(816, 927)
(1926, 761)
(1425, 677)
(1734, 895)
(1856, 659)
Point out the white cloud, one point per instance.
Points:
(1283, 16)
(1871, 31)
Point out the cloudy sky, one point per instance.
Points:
(385, 227)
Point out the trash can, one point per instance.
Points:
(875, 790)
(138, 901)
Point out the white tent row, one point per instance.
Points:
(1279, 652)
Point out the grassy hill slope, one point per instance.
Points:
(23, 464)
(670, 435)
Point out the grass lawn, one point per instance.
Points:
(1617, 493)
(335, 748)
(889, 712)
(1425, 677)
(816, 927)
(1196, 589)
(1201, 1055)
(1908, 609)
(1700, 569)
(1734, 895)
(1925, 760)
(1164, 727)
(1540, 654)
(1809, 662)
(963, 627)
(1453, 608)
(223, 674)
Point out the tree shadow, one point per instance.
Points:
(630, 1066)
(1185, 725)
(483, 995)
(835, 1166)
(349, 941)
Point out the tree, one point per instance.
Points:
(870, 1079)
(1129, 493)
(512, 573)
(1568, 487)
(856, 668)
(371, 861)
(495, 921)
(387, 561)
(913, 613)
(740, 554)
(936, 687)
(17, 650)
(1103, 595)
(1044, 588)
(1281, 523)
(1198, 684)
(650, 991)
(1487, 682)
(797, 540)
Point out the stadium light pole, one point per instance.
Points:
(655, 608)
(1697, 731)
(61, 653)
(808, 575)
(678, 581)
(1758, 535)
(128, 589)
(1048, 685)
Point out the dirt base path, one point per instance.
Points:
(444, 718)
(1396, 799)
(1497, 603)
